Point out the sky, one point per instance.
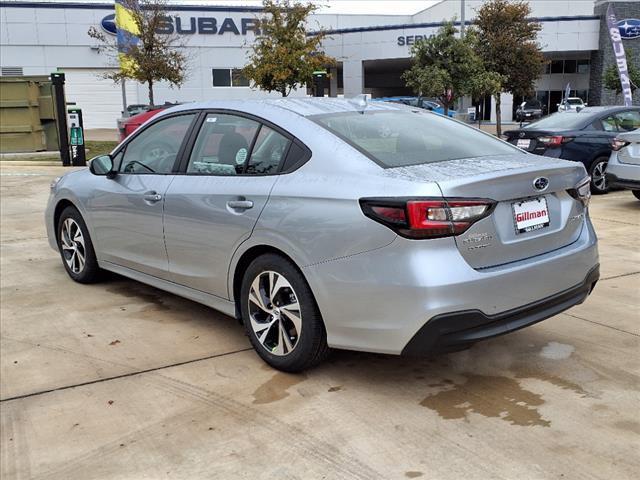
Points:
(383, 7)
(389, 7)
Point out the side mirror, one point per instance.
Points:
(102, 165)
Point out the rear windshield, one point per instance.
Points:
(559, 121)
(403, 138)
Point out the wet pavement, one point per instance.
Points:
(120, 380)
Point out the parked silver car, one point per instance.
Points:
(334, 223)
(623, 169)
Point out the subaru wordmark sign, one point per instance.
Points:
(193, 25)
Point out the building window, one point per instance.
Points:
(583, 66)
(556, 66)
(229, 77)
(221, 77)
(583, 94)
(238, 79)
(569, 66)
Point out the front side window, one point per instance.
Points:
(222, 145)
(155, 149)
(403, 138)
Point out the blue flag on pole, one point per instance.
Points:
(621, 58)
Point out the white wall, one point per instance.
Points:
(42, 40)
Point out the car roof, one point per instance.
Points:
(302, 106)
(599, 110)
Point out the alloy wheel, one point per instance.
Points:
(598, 176)
(274, 313)
(73, 246)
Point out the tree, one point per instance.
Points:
(283, 56)
(156, 56)
(443, 66)
(507, 43)
(611, 77)
(485, 83)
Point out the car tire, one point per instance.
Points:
(76, 248)
(281, 316)
(636, 193)
(598, 170)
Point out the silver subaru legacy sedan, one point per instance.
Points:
(329, 223)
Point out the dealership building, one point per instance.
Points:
(372, 51)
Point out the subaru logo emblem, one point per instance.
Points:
(541, 183)
(108, 24)
(629, 28)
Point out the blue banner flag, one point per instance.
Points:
(618, 51)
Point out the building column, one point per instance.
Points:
(353, 77)
(506, 107)
(333, 82)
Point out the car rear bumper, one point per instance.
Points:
(451, 331)
(380, 300)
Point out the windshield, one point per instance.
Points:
(558, 121)
(574, 101)
(403, 138)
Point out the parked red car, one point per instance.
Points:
(126, 126)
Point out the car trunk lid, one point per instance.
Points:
(517, 228)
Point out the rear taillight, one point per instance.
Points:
(554, 140)
(426, 218)
(617, 144)
(582, 191)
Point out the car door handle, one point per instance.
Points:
(152, 197)
(240, 204)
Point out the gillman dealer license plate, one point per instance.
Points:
(530, 215)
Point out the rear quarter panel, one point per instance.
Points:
(586, 147)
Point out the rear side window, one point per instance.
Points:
(268, 152)
(403, 138)
(222, 145)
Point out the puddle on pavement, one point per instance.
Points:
(413, 474)
(276, 388)
(145, 294)
(628, 426)
(554, 380)
(495, 397)
(557, 351)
